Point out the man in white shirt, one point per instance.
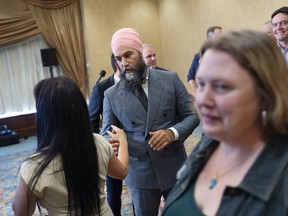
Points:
(279, 20)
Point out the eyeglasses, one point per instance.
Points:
(282, 23)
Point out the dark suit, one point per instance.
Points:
(169, 105)
(114, 186)
(159, 68)
(96, 102)
(194, 67)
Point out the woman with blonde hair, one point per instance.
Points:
(240, 166)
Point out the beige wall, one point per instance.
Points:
(103, 18)
(185, 25)
(176, 27)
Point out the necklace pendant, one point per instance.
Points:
(213, 183)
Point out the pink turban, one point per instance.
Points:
(126, 37)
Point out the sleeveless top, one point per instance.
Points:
(51, 188)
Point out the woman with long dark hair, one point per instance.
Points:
(67, 173)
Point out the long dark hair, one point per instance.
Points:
(63, 129)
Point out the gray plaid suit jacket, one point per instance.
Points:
(169, 105)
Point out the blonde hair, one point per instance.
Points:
(260, 56)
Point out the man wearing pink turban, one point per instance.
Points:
(154, 108)
(126, 37)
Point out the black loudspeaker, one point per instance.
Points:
(48, 57)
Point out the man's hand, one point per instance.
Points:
(160, 139)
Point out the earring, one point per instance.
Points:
(264, 117)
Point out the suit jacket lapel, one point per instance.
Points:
(132, 102)
(155, 88)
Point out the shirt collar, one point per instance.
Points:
(116, 78)
(266, 171)
(283, 49)
(147, 71)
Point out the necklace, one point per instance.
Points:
(213, 182)
(253, 153)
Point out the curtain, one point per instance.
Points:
(60, 23)
(56, 4)
(19, 75)
(17, 28)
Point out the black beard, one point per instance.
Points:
(135, 79)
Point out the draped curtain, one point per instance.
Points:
(17, 28)
(21, 69)
(60, 22)
(55, 4)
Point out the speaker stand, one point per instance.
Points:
(51, 71)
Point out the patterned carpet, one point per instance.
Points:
(9, 166)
